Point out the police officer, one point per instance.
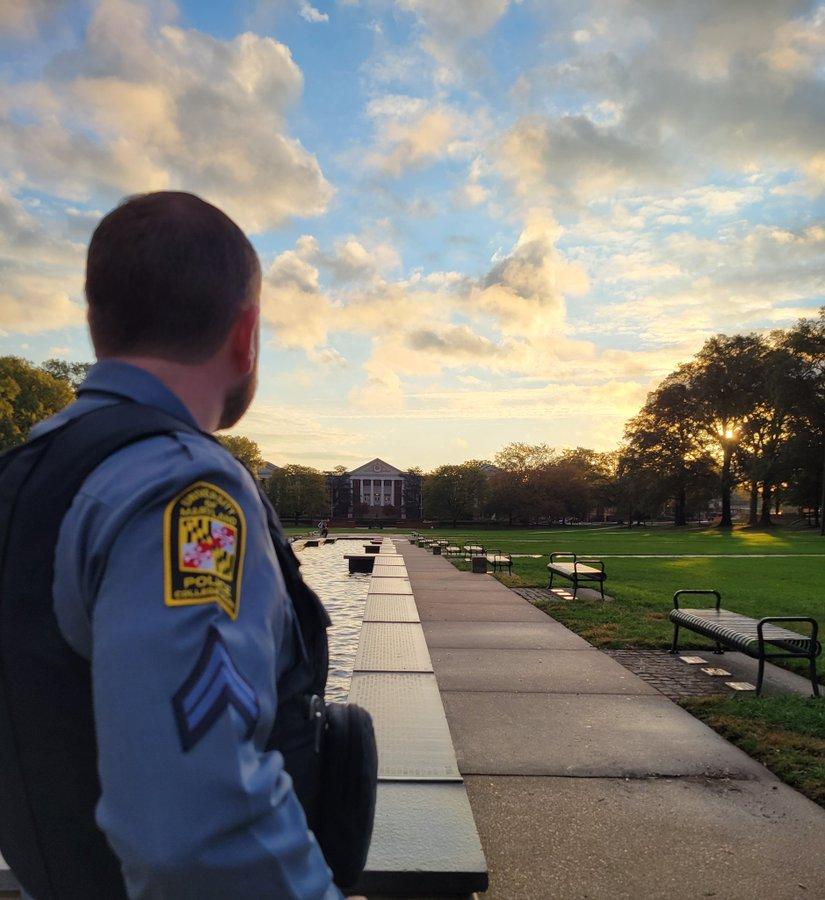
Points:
(165, 580)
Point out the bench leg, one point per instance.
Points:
(675, 643)
(601, 586)
(814, 682)
(575, 587)
(760, 676)
(550, 583)
(719, 648)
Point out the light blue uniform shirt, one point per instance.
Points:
(219, 819)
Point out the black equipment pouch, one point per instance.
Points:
(349, 777)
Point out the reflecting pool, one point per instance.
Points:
(325, 570)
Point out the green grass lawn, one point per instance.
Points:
(764, 584)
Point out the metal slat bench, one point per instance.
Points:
(749, 636)
(576, 570)
(498, 560)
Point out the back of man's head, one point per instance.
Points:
(166, 275)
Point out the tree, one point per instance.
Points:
(766, 431)
(722, 390)
(637, 495)
(73, 373)
(806, 341)
(664, 445)
(455, 492)
(243, 449)
(578, 480)
(298, 491)
(27, 396)
(522, 489)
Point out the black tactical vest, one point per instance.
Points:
(49, 785)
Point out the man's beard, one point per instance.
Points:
(237, 400)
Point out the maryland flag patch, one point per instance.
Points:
(204, 539)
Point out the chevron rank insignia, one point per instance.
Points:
(212, 686)
(204, 538)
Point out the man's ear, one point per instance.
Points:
(244, 342)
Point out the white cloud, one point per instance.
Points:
(40, 273)
(573, 159)
(449, 27)
(453, 341)
(411, 134)
(525, 289)
(23, 19)
(309, 13)
(140, 107)
(293, 304)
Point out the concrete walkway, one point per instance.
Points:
(585, 782)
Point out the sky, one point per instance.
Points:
(479, 221)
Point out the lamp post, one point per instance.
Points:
(822, 495)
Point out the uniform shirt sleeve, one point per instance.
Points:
(214, 816)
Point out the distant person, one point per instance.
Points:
(158, 646)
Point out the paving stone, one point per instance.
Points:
(438, 611)
(389, 586)
(553, 671)
(390, 608)
(668, 674)
(586, 735)
(392, 647)
(548, 634)
(469, 597)
(380, 571)
(559, 593)
(481, 585)
(679, 839)
(410, 726)
(424, 840)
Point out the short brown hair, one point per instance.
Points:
(166, 275)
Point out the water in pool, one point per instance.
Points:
(325, 570)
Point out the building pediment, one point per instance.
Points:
(375, 468)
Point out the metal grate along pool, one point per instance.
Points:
(325, 570)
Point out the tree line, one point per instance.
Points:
(746, 411)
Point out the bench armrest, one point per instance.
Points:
(589, 562)
(559, 553)
(774, 619)
(682, 593)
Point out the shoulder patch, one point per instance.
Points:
(204, 540)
